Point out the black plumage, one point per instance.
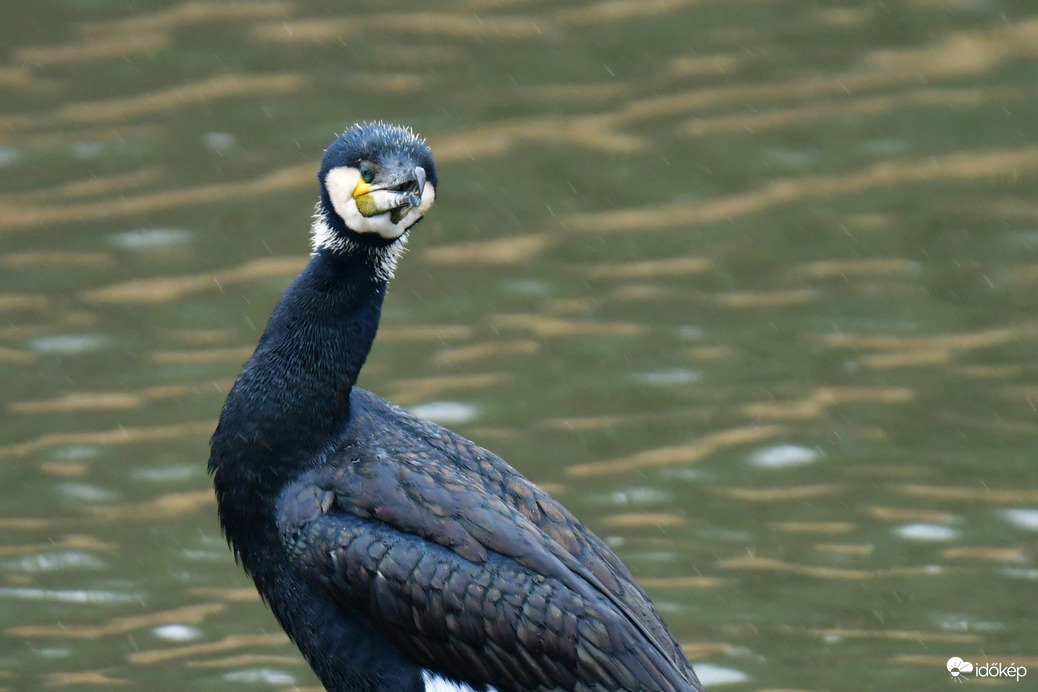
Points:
(392, 550)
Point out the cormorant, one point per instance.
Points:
(397, 555)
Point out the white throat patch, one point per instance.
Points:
(341, 182)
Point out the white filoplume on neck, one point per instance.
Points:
(323, 237)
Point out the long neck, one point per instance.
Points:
(287, 409)
(291, 401)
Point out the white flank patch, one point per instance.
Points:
(711, 675)
(342, 181)
(436, 683)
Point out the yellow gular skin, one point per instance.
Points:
(365, 204)
(368, 200)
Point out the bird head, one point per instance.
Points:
(377, 181)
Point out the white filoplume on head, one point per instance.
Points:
(341, 183)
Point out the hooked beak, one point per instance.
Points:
(398, 196)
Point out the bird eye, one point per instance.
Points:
(366, 174)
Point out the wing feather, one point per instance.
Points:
(455, 557)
